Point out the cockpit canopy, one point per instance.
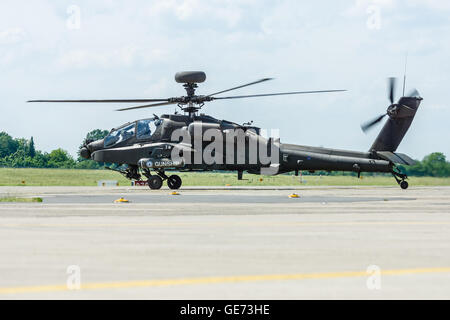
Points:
(141, 129)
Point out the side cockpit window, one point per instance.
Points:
(146, 127)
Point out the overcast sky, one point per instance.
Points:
(132, 49)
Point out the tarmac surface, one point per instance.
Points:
(226, 243)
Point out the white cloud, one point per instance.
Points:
(104, 59)
(11, 36)
(431, 4)
(359, 7)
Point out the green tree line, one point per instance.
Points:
(21, 153)
(432, 165)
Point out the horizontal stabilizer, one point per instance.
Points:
(394, 157)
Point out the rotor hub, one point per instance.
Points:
(392, 110)
(190, 88)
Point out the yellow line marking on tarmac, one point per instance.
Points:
(213, 280)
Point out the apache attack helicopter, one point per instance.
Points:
(148, 145)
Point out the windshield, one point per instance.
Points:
(146, 127)
(119, 135)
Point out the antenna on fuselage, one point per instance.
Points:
(404, 75)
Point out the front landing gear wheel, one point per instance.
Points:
(155, 182)
(174, 182)
(404, 184)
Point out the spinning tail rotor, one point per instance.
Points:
(400, 115)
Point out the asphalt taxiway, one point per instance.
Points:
(252, 243)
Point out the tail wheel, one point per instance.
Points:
(400, 178)
(174, 182)
(155, 182)
(404, 184)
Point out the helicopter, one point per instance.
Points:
(155, 146)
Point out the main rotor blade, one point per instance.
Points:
(413, 93)
(147, 106)
(391, 89)
(366, 126)
(276, 94)
(104, 101)
(242, 86)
